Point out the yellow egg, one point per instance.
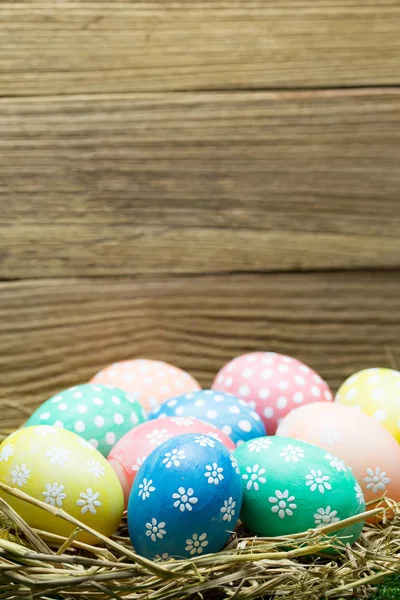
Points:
(377, 393)
(64, 471)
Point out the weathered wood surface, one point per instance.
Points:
(167, 169)
(199, 183)
(49, 47)
(58, 333)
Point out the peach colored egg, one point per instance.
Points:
(272, 384)
(130, 452)
(148, 381)
(355, 438)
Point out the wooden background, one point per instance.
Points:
(190, 180)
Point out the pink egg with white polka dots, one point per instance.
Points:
(130, 452)
(150, 382)
(272, 384)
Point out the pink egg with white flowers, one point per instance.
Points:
(130, 452)
(272, 384)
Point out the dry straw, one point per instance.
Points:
(38, 565)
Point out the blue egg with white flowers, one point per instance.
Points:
(227, 412)
(186, 499)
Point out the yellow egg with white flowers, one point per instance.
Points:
(375, 392)
(64, 471)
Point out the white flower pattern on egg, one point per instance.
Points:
(259, 444)
(325, 516)
(283, 504)
(228, 509)
(158, 436)
(146, 488)
(292, 453)
(196, 544)
(155, 530)
(184, 499)
(20, 474)
(6, 452)
(89, 501)
(336, 463)
(376, 480)
(54, 494)
(254, 476)
(234, 464)
(139, 461)
(213, 473)
(96, 468)
(330, 436)
(204, 441)
(174, 458)
(58, 456)
(359, 493)
(316, 480)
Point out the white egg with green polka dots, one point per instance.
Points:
(98, 413)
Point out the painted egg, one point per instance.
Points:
(98, 413)
(230, 414)
(149, 381)
(63, 470)
(272, 384)
(133, 448)
(377, 393)
(186, 498)
(361, 443)
(290, 487)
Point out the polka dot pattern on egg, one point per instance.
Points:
(98, 413)
(149, 381)
(273, 384)
(222, 409)
(377, 393)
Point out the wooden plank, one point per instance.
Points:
(199, 183)
(56, 333)
(117, 46)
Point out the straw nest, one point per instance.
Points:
(36, 564)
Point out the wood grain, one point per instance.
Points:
(57, 333)
(88, 46)
(199, 183)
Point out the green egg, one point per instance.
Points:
(98, 413)
(291, 486)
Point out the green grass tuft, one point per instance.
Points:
(389, 590)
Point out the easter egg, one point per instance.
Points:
(130, 452)
(98, 413)
(230, 414)
(64, 471)
(186, 498)
(361, 443)
(272, 384)
(292, 486)
(377, 393)
(149, 381)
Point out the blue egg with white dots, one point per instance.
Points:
(227, 412)
(186, 499)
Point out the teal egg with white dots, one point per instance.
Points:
(290, 486)
(98, 413)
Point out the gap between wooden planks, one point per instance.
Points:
(198, 183)
(77, 47)
(57, 333)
